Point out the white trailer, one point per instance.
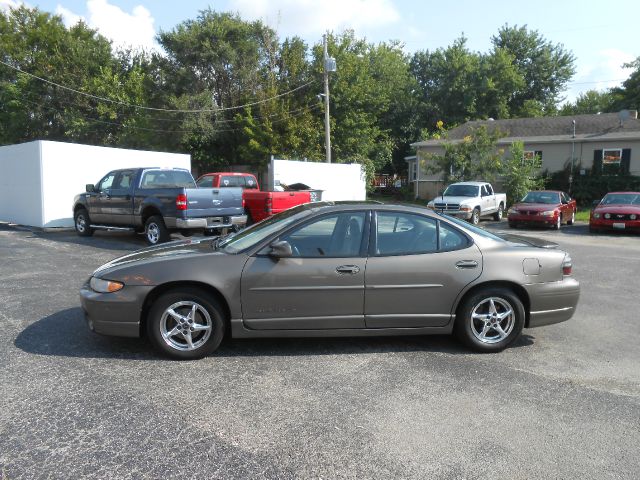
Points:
(38, 180)
(338, 181)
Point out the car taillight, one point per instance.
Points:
(181, 202)
(268, 207)
(567, 265)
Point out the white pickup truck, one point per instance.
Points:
(470, 200)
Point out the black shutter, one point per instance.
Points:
(597, 162)
(625, 161)
(538, 153)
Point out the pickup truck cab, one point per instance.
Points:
(156, 201)
(259, 204)
(470, 200)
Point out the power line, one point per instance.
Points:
(205, 110)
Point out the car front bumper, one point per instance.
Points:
(611, 224)
(454, 213)
(541, 220)
(552, 302)
(117, 313)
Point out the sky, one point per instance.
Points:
(601, 34)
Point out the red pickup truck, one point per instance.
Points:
(258, 204)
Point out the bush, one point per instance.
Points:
(587, 188)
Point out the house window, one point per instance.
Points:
(611, 158)
(530, 155)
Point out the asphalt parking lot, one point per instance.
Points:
(564, 402)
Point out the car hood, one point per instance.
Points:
(536, 207)
(164, 251)
(618, 208)
(523, 241)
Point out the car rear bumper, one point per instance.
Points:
(206, 223)
(117, 313)
(552, 302)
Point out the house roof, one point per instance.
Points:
(613, 126)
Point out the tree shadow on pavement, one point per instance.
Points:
(65, 334)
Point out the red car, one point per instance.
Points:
(616, 211)
(549, 208)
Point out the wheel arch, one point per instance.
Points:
(154, 294)
(517, 289)
(149, 211)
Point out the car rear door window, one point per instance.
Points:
(405, 234)
(205, 182)
(232, 181)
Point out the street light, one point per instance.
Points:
(329, 66)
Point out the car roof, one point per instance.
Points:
(365, 205)
(237, 174)
(475, 184)
(618, 193)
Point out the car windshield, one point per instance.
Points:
(621, 199)
(541, 197)
(461, 191)
(472, 228)
(255, 234)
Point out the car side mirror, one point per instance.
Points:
(90, 187)
(281, 249)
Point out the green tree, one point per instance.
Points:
(628, 95)
(520, 174)
(591, 101)
(545, 67)
(475, 157)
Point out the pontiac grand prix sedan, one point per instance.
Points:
(334, 269)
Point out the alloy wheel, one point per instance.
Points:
(492, 320)
(185, 325)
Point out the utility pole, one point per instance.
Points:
(573, 154)
(329, 66)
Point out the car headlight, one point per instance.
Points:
(104, 286)
(465, 209)
(607, 215)
(548, 213)
(596, 215)
(430, 205)
(632, 216)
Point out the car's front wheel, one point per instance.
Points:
(572, 220)
(186, 324)
(558, 224)
(475, 216)
(490, 319)
(498, 215)
(83, 223)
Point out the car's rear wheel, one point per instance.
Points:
(498, 215)
(155, 230)
(572, 220)
(186, 324)
(83, 223)
(490, 319)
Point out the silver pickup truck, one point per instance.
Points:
(156, 201)
(470, 200)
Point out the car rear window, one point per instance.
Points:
(167, 179)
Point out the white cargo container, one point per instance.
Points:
(38, 180)
(338, 181)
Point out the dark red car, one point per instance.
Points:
(549, 208)
(616, 211)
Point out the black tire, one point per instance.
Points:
(82, 223)
(249, 219)
(513, 225)
(498, 215)
(469, 330)
(558, 224)
(572, 220)
(155, 231)
(475, 216)
(208, 312)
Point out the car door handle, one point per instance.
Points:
(347, 269)
(466, 264)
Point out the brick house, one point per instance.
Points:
(607, 143)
